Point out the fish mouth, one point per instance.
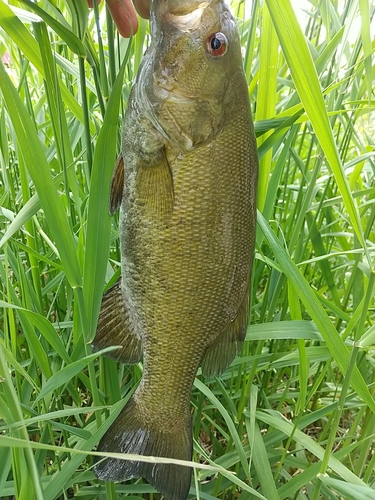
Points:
(185, 15)
(187, 22)
(179, 7)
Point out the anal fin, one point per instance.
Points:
(224, 349)
(115, 328)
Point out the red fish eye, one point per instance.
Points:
(217, 44)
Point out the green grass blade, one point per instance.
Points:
(63, 376)
(266, 99)
(45, 327)
(308, 298)
(228, 420)
(52, 416)
(26, 43)
(278, 422)
(15, 410)
(306, 330)
(349, 490)
(73, 42)
(364, 7)
(37, 165)
(98, 219)
(262, 466)
(306, 80)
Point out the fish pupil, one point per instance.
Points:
(215, 44)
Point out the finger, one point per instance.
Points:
(124, 16)
(143, 8)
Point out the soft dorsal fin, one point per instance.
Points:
(220, 354)
(117, 185)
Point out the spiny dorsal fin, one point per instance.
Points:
(115, 328)
(117, 185)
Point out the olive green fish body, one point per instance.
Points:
(187, 227)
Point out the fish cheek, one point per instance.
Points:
(181, 66)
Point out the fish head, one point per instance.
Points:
(194, 53)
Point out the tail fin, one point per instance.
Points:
(135, 432)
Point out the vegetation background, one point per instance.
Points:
(294, 416)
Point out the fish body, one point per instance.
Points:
(186, 182)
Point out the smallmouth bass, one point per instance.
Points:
(186, 182)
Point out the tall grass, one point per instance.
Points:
(294, 415)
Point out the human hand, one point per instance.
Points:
(124, 16)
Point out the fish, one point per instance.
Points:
(185, 183)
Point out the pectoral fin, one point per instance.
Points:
(155, 186)
(117, 185)
(115, 328)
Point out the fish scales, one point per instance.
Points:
(186, 181)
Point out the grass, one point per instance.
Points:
(294, 415)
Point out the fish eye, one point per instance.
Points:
(217, 44)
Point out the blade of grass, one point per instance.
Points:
(98, 219)
(302, 68)
(27, 44)
(73, 42)
(266, 99)
(63, 376)
(308, 298)
(15, 409)
(37, 165)
(277, 421)
(364, 8)
(349, 490)
(262, 466)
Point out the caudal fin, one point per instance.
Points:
(134, 432)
